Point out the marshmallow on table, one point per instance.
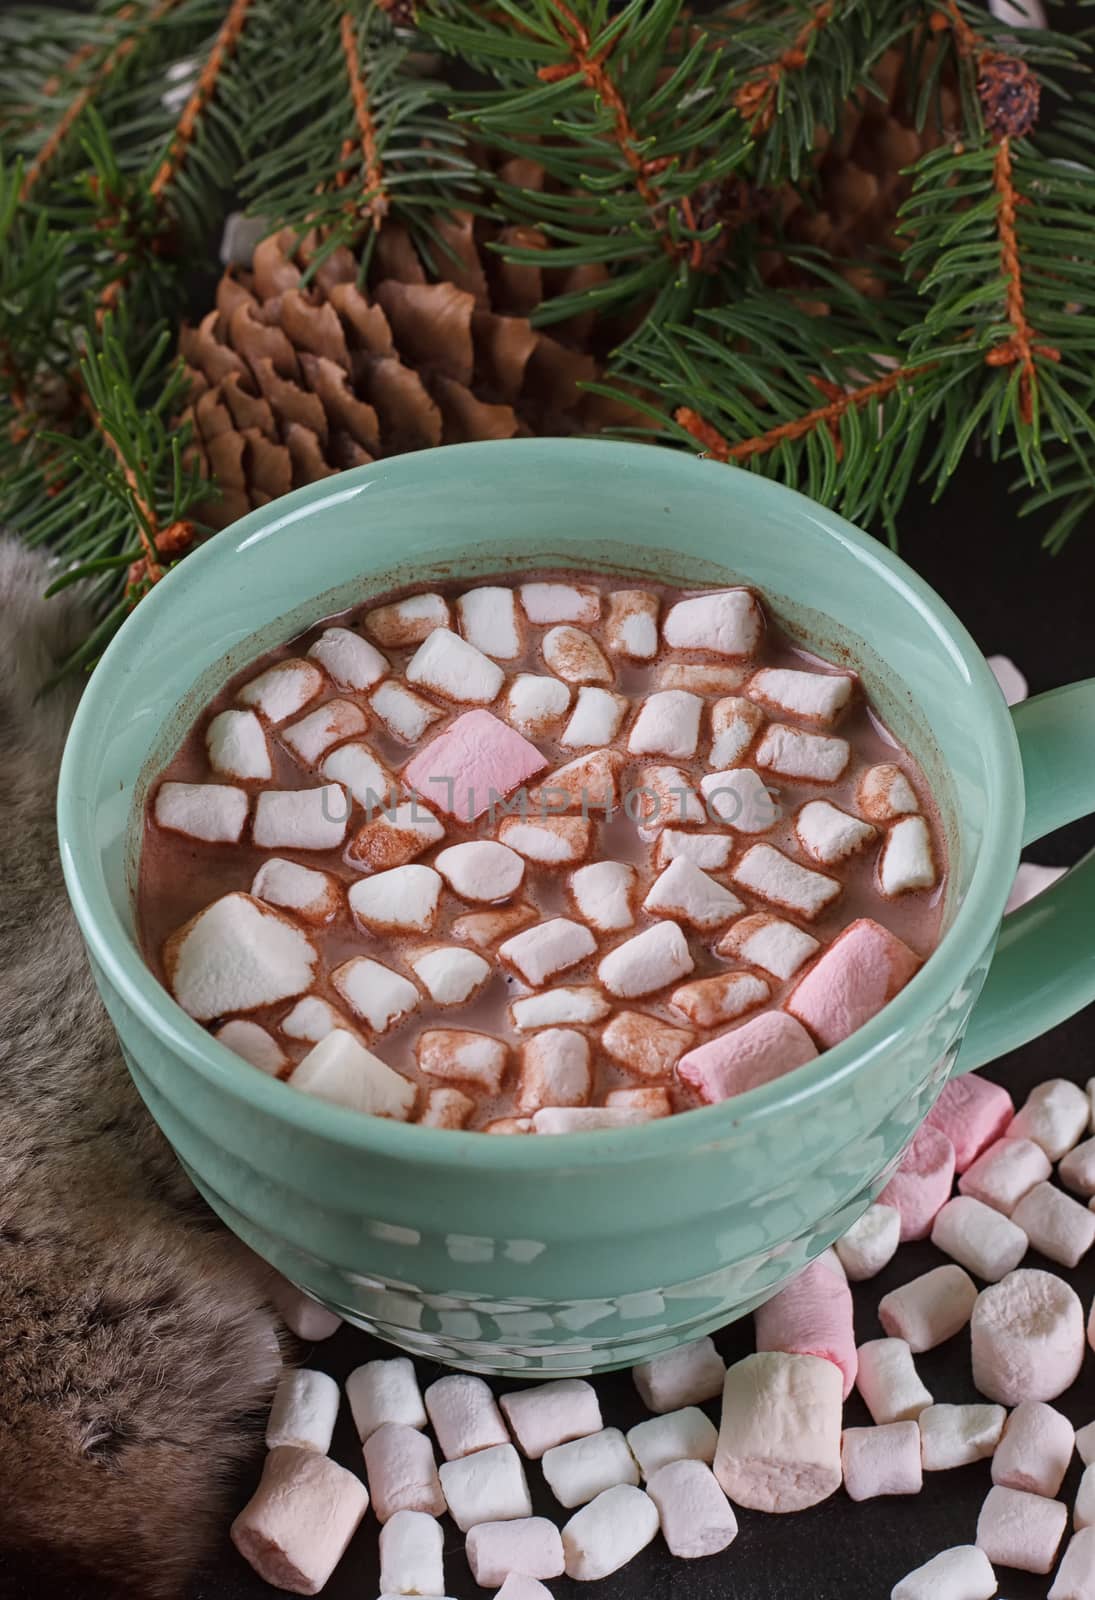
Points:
(301, 1314)
(449, 974)
(583, 1003)
(828, 834)
(315, 733)
(1027, 1337)
(555, 1070)
(355, 766)
(402, 1472)
(921, 1186)
(735, 723)
(604, 894)
(882, 1461)
(560, 602)
(1075, 1578)
(711, 851)
(711, 1001)
(445, 1108)
(817, 697)
(487, 618)
(528, 1546)
(884, 792)
(861, 971)
(552, 1414)
(889, 1382)
(644, 1045)
(236, 744)
(464, 1415)
(348, 659)
(295, 1528)
(470, 767)
(301, 819)
(215, 813)
(403, 899)
(907, 862)
(459, 1055)
(870, 1243)
(928, 1310)
(1083, 1508)
(412, 1554)
(812, 1316)
(590, 1119)
(254, 1044)
(650, 961)
(964, 1573)
(535, 703)
(809, 757)
(1055, 1115)
(953, 1436)
(588, 783)
(665, 798)
(979, 1238)
(652, 1103)
(767, 872)
(551, 840)
(1085, 1443)
(376, 993)
(608, 1533)
(394, 837)
(684, 1435)
(406, 715)
(312, 1019)
(449, 666)
(739, 797)
(1077, 1170)
(1036, 1449)
(631, 627)
(730, 623)
(668, 724)
(551, 947)
(688, 895)
(575, 656)
(237, 955)
(696, 1518)
(779, 1444)
(704, 680)
(1030, 881)
(595, 720)
(304, 1411)
(283, 689)
(1058, 1226)
(339, 1069)
(312, 896)
(481, 870)
(487, 1486)
(1021, 1530)
(763, 940)
(744, 1058)
(1005, 1172)
(973, 1113)
(579, 1471)
(409, 621)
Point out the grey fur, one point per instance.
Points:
(136, 1347)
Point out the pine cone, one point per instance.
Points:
(1010, 96)
(291, 383)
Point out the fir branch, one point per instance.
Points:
(226, 42)
(758, 97)
(1021, 348)
(376, 202)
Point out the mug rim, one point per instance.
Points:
(117, 956)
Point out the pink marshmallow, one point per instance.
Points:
(295, 1528)
(472, 765)
(973, 1114)
(1075, 1578)
(880, 1461)
(1026, 1337)
(1004, 1173)
(1021, 1530)
(529, 1546)
(812, 1316)
(743, 1058)
(857, 975)
(921, 1186)
(402, 1472)
(930, 1309)
(1035, 1450)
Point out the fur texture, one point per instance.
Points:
(136, 1347)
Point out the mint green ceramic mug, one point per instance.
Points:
(574, 1254)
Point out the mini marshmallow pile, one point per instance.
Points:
(526, 901)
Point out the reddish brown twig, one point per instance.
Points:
(226, 41)
(756, 99)
(148, 527)
(1020, 348)
(378, 203)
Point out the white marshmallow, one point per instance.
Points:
(769, 942)
(455, 669)
(528, 1546)
(739, 797)
(686, 893)
(870, 1243)
(402, 1472)
(817, 757)
(313, 1019)
(409, 621)
(664, 798)
(341, 1070)
(1075, 1578)
(560, 602)
(379, 995)
(881, 1461)
(552, 840)
(589, 783)
(333, 722)
(979, 1238)
(283, 689)
(301, 1314)
(535, 704)
(385, 1391)
(705, 680)
(579, 1471)
(575, 656)
(488, 620)
(767, 872)
(538, 953)
(445, 1108)
(1027, 1337)
(412, 1554)
(964, 1573)
(668, 724)
(464, 1415)
(779, 1443)
(356, 767)
(313, 896)
(685, 1435)
(1005, 1172)
(608, 1533)
(301, 819)
(1085, 1443)
(1077, 1170)
(481, 870)
(1012, 683)
(814, 696)
(710, 1002)
(682, 1377)
(583, 1003)
(595, 720)
(631, 627)
(552, 1414)
(650, 961)
(645, 1046)
(735, 723)
(449, 974)
(828, 834)
(655, 1102)
(236, 744)
(406, 715)
(884, 792)
(404, 898)
(254, 1044)
(930, 1309)
(212, 812)
(711, 851)
(295, 1528)
(889, 1383)
(488, 1486)
(728, 624)
(1029, 882)
(304, 1411)
(1055, 1115)
(351, 661)
(1057, 1226)
(458, 1055)
(589, 1119)
(1021, 1530)
(237, 955)
(1036, 1450)
(555, 1070)
(953, 1436)
(696, 1518)
(906, 863)
(394, 836)
(1083, 1508)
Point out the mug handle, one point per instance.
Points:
(1044, 966)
